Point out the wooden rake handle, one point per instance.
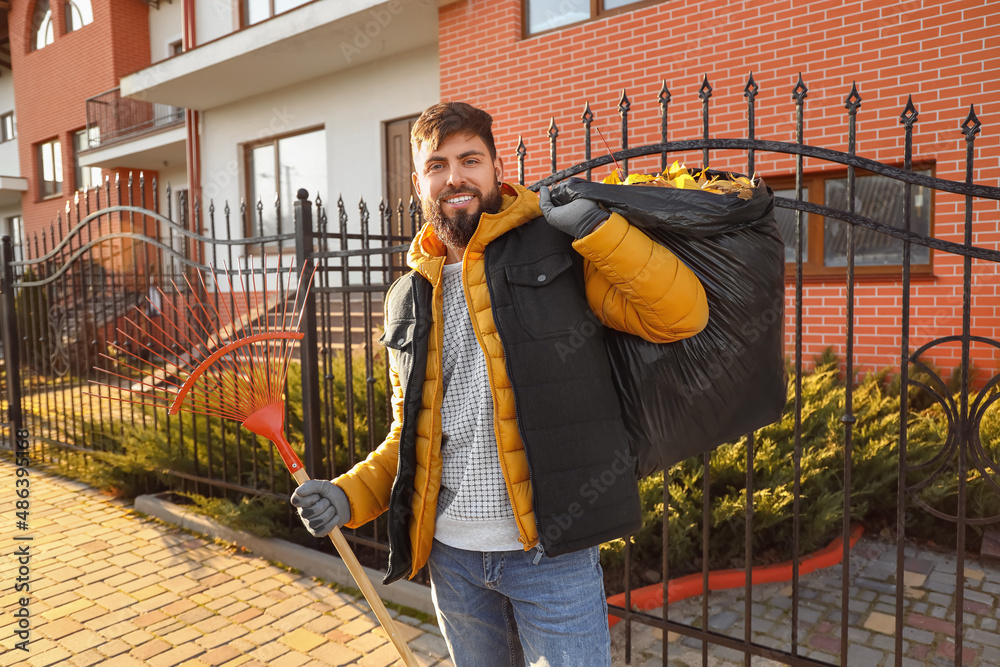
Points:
(365, 584)
(269, 421)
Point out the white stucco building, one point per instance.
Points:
(258, 98)
(11, 182)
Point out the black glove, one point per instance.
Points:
(577, 218)
(322, 505)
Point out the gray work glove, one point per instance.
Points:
(577, 218)
(322, 505)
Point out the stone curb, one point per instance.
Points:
(308, 561)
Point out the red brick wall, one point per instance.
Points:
(52, 84)
(946, 54)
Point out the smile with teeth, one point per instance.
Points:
(459, 200)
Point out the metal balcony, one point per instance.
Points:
(112, 118)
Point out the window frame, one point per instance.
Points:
(244, 13)
(4, 138)
(57, 164)
(596, 12)
(77, 167)
(814, 267)
(13, 226)
(39, 23)
(68, 15)
(249, 196)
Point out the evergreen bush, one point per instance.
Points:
(874, 479)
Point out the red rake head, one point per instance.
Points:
(234, 368)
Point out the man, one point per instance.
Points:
(507, 462)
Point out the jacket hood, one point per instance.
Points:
(519, 205)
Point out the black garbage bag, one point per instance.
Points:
(685, 398)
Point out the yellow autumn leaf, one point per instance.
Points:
(685, 182)
(708, 183)
(678, 176)
(674, 170)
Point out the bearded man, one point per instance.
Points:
(507, 463)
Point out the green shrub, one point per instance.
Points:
(258, 516)
(333, 392)
(131, 462)
(874, 479)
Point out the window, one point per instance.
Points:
(175, 48)
(78, 14)
(50, 169)
(87, 178)
(41, 25)
(8, 128)
(255, 11)
(14, 228)
(543, 15)
(283, 166)
(878, 198)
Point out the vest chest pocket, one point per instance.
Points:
(547, 295)
(398, 336)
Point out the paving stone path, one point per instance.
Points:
(928, 615)
(113, 589)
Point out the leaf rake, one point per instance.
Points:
(234, 372)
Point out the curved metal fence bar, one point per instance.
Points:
(84, 249)
(159, 245)
(825, 154)
(156, 217)
(901, 234)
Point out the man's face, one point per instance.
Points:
(456, 183)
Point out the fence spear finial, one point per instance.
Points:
(971, 124)
(909, 115)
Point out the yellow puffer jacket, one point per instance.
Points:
(632, 283)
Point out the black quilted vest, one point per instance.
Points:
(582, 474)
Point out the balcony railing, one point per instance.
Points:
(112, 118)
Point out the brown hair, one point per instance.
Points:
(445, 119)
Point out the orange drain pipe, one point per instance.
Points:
(682, 588)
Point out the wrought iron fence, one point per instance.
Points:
(81, 277)
(959, 459)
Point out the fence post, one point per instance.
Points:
(308, 348)
(10, 347)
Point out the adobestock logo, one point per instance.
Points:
(720, 367)
(588, 495)
(364, 34)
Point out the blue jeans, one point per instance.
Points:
(500, 608)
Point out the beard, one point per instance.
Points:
(457, 230)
